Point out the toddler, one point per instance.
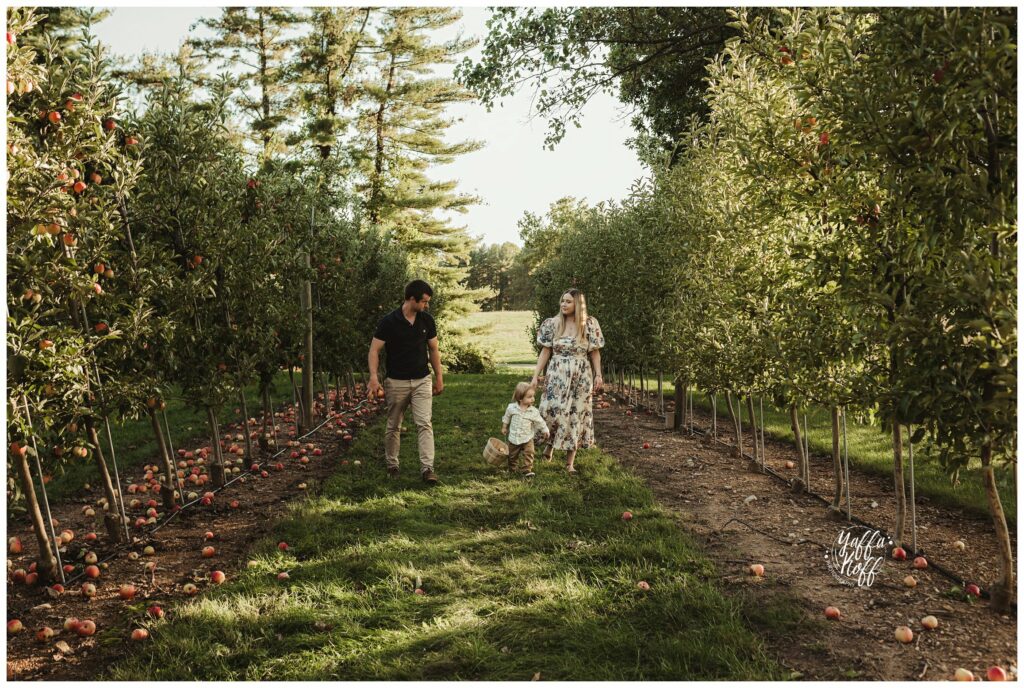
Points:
(522, 422)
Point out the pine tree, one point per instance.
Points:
(400, 135)
(326, 67)
(258, 40)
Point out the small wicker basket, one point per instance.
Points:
(495, 452)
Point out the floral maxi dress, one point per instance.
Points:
(567, 403)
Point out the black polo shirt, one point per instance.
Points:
(405, 344)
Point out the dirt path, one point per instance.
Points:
(707, 485)
(178, 555)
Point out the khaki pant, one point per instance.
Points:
(400, 395)
(514, 450)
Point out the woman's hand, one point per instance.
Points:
(598, 383)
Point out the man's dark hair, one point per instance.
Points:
(416, 289)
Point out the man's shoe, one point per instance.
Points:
(529, 474)
(392, 471)
(429, 477)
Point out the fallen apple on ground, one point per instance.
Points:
(644, 585)
(218, 577)
(963, 675)
(899, 554)
(996, 673)
(930, 622)
(140, 634)
(904, 634)
(756, 570)
(86, 628)
(832, 613)
(14, 626)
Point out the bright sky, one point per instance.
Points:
(512, 173)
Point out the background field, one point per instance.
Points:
(507, 334)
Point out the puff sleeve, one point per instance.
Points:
(546, 333)
(595, 339)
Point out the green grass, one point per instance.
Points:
(871, 450)
(135, 443)
(520, 578)
(505, 333)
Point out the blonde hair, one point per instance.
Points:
(521, 389)
(580, 315)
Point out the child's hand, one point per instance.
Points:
(504, 429)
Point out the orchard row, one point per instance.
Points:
(145, 255)
(841, 231)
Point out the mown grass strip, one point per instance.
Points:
(520, 578)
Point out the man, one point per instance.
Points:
(407, 334)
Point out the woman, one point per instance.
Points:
(571, 342)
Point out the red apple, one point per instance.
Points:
(627, 515)
(899, 554)
(283, 546)
(127, 591)
(963, 675)
(109, 124)
(92, 571)
(233, 504)
(996, 673)
(19, 576)
(756, 570)
(419, 591)
(88, 590)
(155, 611)
(208, 552)
(973, 589)
(208, 535)
(140, 634)
(32, 578)
(930, 622)
(790, 465)
(14, 545)
(87, 627)
(218, 577)
(920, 563)
(283, 576)
(14, 625)
(54, 116)
(91, 537)
(832, 613)
(44, 634)
(71, 624)
(189, 589)
(644, 585)
(647, 445)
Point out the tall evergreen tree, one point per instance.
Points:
(327, 65)
(259, 40)
(401, 134)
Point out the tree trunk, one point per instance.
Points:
(167, 489)
(897, 476)
(295, 395)
(713, 399)
(1003, 590)
(111, 521)
(217, 474)
(680, 403)
(753, 428)
(337, 393)
(794, 424)
(249, 456)
(46, 565)
(837, 462)
(376, 183)
(309, 414)
(735, 422)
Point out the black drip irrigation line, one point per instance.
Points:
(942, 570)
(146, 536)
